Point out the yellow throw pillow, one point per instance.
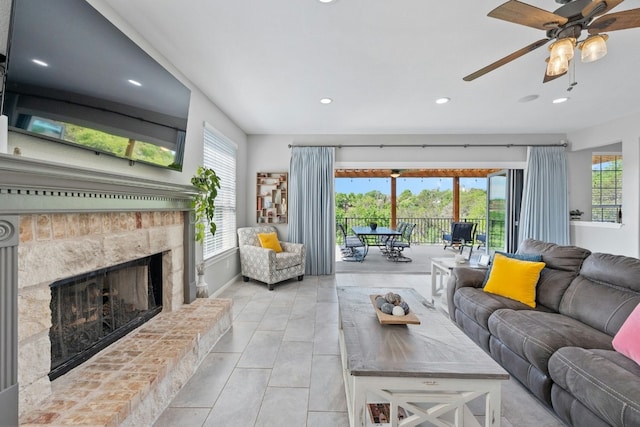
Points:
(514, 279)
(270, 241)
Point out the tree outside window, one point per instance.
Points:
(606, 188)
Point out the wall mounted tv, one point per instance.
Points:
(75, 78)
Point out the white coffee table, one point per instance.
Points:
(432, 370)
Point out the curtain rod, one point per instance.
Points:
(561, 144)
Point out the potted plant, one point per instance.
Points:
(207, 183)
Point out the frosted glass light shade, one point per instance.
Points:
(557, 66)
(593, 48)
(562, 47)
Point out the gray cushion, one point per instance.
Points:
(572, 411)
(604, 381)
(535, 335)
(562, 264)
(479, 305)
(605, 293)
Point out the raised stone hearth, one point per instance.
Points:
(131, 382)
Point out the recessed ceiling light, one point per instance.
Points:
(326, 1)
(442, 100)
(528, 98)
(134, 82)
(560, 100)
(326, 101)
(40, 63)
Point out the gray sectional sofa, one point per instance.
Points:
(561, 350)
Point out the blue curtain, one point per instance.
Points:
(311, 206)
(545, 205)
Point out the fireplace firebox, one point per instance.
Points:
(93, 310)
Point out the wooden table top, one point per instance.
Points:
(434, 349)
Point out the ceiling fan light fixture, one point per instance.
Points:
(557, 66)
(562, 48)
(593, 48)
(394, 173)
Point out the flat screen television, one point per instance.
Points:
(73, 77)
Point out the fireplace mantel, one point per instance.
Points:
(114, 217)
(31, 186)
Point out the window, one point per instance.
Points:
(606, 188)
(220, 155)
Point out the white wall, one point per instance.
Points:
(624, 239)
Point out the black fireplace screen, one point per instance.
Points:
(91, 311)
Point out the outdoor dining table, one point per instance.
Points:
(371, 237)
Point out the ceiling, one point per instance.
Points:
(267, 64)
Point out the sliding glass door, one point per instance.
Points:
(504, 194)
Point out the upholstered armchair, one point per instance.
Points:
(267, 265)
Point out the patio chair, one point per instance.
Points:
(350, 245)
(481, 240)
(267, 265)
(462, 234)
(382, 242)
(397, 245)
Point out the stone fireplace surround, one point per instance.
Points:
(72, 221)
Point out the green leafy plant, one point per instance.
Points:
(208, 184)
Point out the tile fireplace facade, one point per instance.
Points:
(64, 230)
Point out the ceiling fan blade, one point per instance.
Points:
(548, 78)
(499, 63)
(616, 21)
(525, 14)
(599, 7)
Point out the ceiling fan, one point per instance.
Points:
(565, 26)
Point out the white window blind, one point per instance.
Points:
(220, 155)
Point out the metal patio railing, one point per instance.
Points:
(427, 231)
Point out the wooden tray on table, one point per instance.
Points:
(390, 319)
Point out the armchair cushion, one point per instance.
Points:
(286, 260)
(270, 241)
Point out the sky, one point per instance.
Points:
(416, 185)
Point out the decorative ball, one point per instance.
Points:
(393, 298)
(380, 300)
(404, 306)
(387, 308)
(398, 311)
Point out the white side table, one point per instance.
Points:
(441, 268)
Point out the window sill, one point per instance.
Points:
(220, 256)
(612, 225)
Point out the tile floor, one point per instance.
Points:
(279, 365)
